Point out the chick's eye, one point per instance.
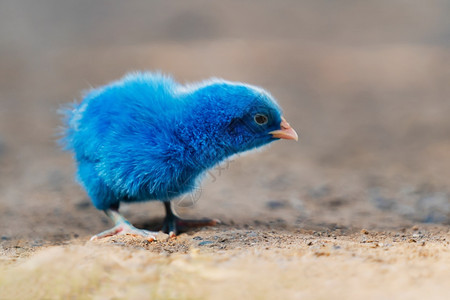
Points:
(261, 119)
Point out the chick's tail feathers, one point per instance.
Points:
(70, 116)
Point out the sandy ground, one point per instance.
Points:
(359, 208)
(230, 263)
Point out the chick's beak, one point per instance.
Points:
(286, 132)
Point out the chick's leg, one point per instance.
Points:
(123, 226)
(173, 224)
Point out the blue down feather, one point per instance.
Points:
(147, 137)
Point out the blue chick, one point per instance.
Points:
(147, 137)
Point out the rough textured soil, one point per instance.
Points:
(358, 209)
(228, 263)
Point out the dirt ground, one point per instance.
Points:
(358, 208)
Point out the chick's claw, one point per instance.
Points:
(174, 225)
(124, 229)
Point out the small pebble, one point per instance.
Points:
(119, 243)
(83, 205)
(205, 243)
(274, 204)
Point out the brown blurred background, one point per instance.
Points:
(365, 83)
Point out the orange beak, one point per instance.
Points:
(286, 132)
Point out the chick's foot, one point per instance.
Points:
(173, 224)
(123, 227)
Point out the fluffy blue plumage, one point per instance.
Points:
(146, 137)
